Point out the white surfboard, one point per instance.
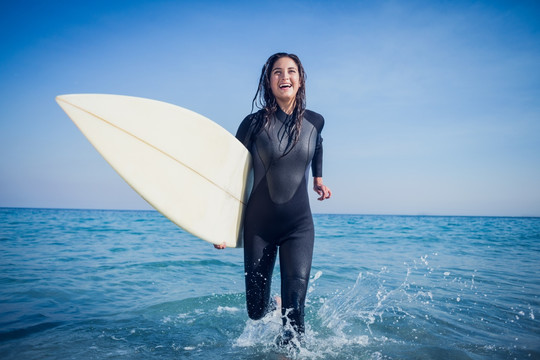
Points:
(186, 166)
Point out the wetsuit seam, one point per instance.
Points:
(309, 148)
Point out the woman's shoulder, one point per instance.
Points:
(246, 126)
(249, 118)
(315, 118)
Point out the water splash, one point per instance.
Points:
(350, 314)
(261, 332)
(329, 323)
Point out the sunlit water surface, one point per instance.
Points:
(90, 284)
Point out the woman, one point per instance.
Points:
(283, 139)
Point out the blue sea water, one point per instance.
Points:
(90, 284)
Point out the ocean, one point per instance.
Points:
(97, 284)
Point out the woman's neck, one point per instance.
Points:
(286, 106)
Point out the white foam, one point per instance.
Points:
(228, 309)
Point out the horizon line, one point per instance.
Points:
(314, 213)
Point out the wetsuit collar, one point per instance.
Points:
(281, 115)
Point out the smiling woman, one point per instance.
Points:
(283, 139)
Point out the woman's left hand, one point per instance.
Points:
(321, 189)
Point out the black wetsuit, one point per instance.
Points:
(278, 216)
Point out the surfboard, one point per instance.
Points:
(186, 166)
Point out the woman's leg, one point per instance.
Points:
(259, 260)
(295, 255)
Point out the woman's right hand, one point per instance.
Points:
(220, 246)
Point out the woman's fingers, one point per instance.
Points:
(324, 192)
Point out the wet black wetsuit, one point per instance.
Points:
(278, 216)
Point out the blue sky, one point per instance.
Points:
(431, 107)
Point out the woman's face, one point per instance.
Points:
(285, 81)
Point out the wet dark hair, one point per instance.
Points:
(265, 100)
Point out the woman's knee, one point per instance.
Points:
(256, 308)
(260, 305)
(255, 313)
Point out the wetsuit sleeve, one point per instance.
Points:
(317, 162)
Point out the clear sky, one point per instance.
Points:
(431, 107)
